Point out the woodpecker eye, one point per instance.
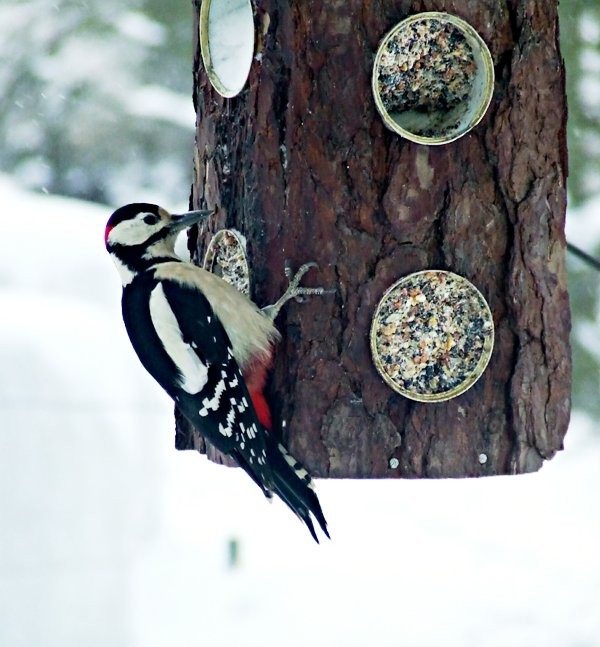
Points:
(151, 219)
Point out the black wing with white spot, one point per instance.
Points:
(212, 393)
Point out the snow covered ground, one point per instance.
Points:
(109, 536)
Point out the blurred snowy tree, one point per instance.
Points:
(96, 98)
(580, 44)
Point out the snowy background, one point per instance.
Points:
(109, 536)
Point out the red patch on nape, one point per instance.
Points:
(107, 231)
(262, 408)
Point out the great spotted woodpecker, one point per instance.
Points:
(208, 346)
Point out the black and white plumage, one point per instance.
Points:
(208, 346)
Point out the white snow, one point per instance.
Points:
(111, 537)
(155, 102)
(139, 27)
(589, 28)
(583, 225)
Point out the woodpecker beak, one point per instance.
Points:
(184, 220)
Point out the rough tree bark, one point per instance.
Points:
(302, 164)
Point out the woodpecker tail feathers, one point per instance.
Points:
(293, 485)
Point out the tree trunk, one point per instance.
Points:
(302, 164)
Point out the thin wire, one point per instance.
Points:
(584, 256)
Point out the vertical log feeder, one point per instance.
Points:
(302, 164)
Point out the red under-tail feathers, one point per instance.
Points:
(255, 377)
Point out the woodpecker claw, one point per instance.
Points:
(294, 291)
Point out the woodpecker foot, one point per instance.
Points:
(294, 291)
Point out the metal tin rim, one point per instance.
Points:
(205, 52)
(463, 386)
(488, 64)
(209, 256)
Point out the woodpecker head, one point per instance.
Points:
(138, 234)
